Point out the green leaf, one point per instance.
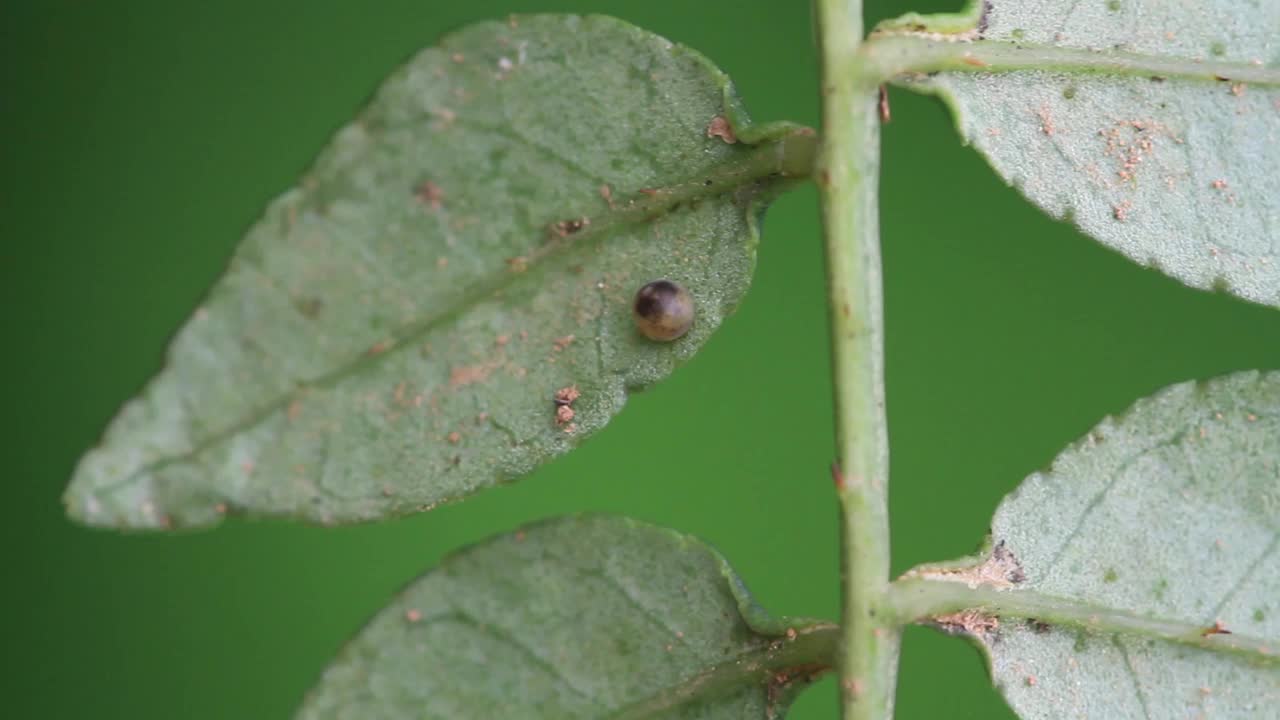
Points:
(1150, 125)
(1139, 576)
(582, 617)
(392, 334)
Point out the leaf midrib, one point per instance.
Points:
(814, 645)
(765, 161)
(892, 54)
(919, 599)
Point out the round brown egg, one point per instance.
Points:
(663, 310)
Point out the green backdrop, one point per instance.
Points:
(140, 138)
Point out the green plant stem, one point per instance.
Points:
(847, 176)
(918, 599)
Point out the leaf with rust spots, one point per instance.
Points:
(1151, 125)
(584, 617)
(377, 287)
(1150, 561)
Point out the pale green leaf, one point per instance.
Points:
(1152, 125)
(1139, 576)
(393, 333)
(584, 617)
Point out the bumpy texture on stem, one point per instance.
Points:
(848, 167)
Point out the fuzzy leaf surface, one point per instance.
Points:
(393, 332)
(1138, 577)
(1150, 125)
(582, 617)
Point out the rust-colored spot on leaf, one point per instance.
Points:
(720, 127)
(464, 375)
(1217, 628)
(430, 194)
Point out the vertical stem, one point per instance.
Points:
(847, 173)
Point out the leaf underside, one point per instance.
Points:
(392, 333)
(583, 617)
(1142, 542)
(1176, 172)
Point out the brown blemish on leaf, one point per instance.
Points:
(294, 410)
(454, 437)
(561, 343)
(968, 622)
(1121, 210)
(464, 375)
(1237, 89)
(565, 413)
(607, 194)
(445, 116)
(518, 264)
(1046, 120)
(719, 127)
(413, 615)
(566, 395)
(429, 194)
(565, 228)
(379, 347)
(883, 104)
(1001, 570)
(837, 477)
(1217, 628)
(458, 58)
(781, 680)
(969, 59)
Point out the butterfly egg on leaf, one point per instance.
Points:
(663, 310)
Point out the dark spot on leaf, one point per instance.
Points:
(984, 17)
(1080, 642)
(1259, 616)
(1113, 5)
(309, 307)
(565, 228)
(1069, 92)
(1018, 33)
(1218, 49)
(1038, 627)
(1110, 575)
(1157, 79)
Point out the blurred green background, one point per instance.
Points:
(141, 138)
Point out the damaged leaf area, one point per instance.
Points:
(583, 617)
(1152, 126)
(394, 332)
(1147, 560)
